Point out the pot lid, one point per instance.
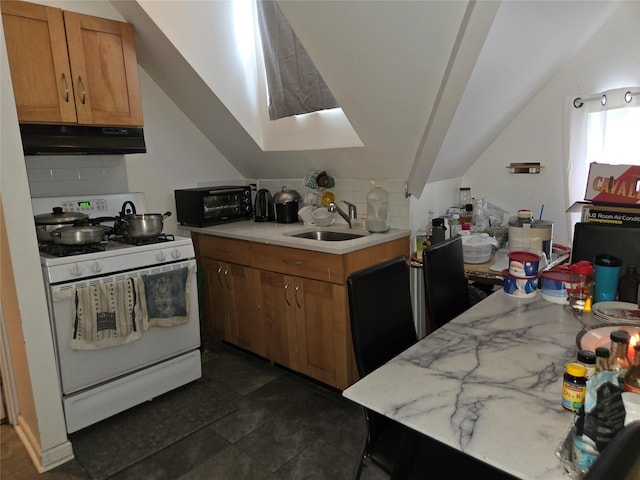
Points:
(58, 216)
(286, 196)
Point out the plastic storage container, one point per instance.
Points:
(477, 248)
(378, 210)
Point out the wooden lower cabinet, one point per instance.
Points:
(286, 304)
(228, 300)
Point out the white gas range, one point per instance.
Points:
(101, 381)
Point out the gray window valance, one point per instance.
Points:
(294, 84)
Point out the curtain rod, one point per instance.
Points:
(579, 102)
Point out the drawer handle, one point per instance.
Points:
(223, 250)
(66, 88)
(286, 287)
(297, 290)
(292, 262)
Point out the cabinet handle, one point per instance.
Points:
(222, 250)
(66, 88)
(297, 290)
(285, 295)
(292, 262)
(219, 278)
(84, 94)
(226, 279)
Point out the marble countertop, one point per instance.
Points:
(279, 234)
(488, 383)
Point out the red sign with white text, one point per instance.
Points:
(613, 184)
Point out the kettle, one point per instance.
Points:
(264, 209)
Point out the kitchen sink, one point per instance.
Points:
(327, 235)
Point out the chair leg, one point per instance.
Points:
(406, 459)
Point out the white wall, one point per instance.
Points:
(43, 431)
(609, 60)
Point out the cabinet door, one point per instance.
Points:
(213, 300)
(247, 329)
(105, 71)
(278, 314)
(39, 64)
(321, 324)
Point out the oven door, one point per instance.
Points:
(81, 369)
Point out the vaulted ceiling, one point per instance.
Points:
(427, 85)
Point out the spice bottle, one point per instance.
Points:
(632, 377)
(618, 360)
(587, 359)
(574, 387)
(602, 359)
(628, 285)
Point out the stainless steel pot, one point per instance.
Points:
(143, 225)
(77, 235)
(47, 223)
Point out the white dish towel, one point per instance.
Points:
(106, 314)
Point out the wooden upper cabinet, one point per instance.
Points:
(88, 75)
(39, 63)
(103, 61)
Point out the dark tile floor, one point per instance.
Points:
(285, 427)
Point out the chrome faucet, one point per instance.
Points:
(332, 207)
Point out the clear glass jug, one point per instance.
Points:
(378, 210)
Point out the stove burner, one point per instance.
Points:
(163, 237)
(59, 250)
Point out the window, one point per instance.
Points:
(602, 128)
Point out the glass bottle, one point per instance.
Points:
(465, 196)
(632, 377)
(618, 360)
(454, 225)
(628, 285)
(378, 210)
(587, 359)
(602, 359)
(580, 294)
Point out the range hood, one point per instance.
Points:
(75, 139)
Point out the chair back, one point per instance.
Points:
(446, 287)
(381, 316)
(621, 459)
(591, 239)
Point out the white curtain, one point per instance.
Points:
(594, 132)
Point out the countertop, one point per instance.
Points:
(277, 234)
(488, 383)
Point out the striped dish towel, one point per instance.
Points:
(106, 315)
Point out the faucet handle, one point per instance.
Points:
(353, 211)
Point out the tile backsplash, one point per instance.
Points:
(354, 191)
(76, 174)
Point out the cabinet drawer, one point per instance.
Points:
(225, 249)
(302, 263)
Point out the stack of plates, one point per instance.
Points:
(617, 312)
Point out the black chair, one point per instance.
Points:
(620, 459)
(381, 327)
(446, 288)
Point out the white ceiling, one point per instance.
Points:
(427, 85)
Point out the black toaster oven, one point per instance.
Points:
(206, 206)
